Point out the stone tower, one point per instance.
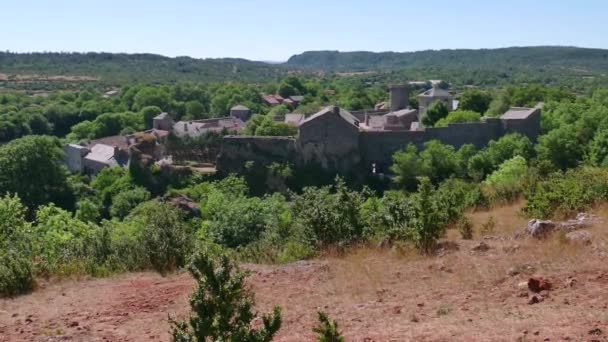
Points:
(399, 96)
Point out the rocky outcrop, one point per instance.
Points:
(542, 228)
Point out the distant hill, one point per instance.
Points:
(578, 60)
(577, 68)
(121, 68)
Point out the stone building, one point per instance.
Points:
(241, 112)
(433, 95)
(336, 139)
(162, 121)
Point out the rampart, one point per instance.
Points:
(331, 141)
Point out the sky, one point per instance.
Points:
(274, 30)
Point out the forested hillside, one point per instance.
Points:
(568, 59)
(576, 68)
(120, 68)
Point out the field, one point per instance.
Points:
(389, 294)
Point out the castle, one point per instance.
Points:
(365, 141)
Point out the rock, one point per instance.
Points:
(579, 236)
(74, 324)
(595, 332)
(539, 284)
(513, 271)
(480, 247)
(570, 282)
(539, 228)
(535, 299)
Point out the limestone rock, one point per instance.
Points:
(540, 228)
(579, 236)
(480, 247)
(539, 284)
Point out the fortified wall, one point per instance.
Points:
(336, 140)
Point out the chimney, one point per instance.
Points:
(185, 127)
(336, 110)
(399, 96)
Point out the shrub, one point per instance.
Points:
(459, 116)
(331, 217)
(562, 194)
(507, 183)
(15, 261)
(222, 306)
(164, 234)
(15, 273)
(327, 330)
(430, 220)
(465, 227)
(125, 201)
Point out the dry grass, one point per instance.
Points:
(378, 294)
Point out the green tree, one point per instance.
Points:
(32, 167)
(222, 307)
(125, 201)
(438, 161)
(164, 234)
(407, 166)
(598, 149)
(429, 222)
(16, 269)
(560, 147)
(435, 112)
(458, 116)
(475, 100)
(195, 110)
(148, 114)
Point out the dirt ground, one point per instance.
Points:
(390, 294)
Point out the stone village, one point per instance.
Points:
(334, 139)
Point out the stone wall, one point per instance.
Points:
(237, 151)
(336, 144)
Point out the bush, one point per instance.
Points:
(563, 194)
(125, 201)
(508, 182)
(430, 220)
(331, 214)
(327, 330)
(15, 260)
(15, 274)
(465, 227)
(222, 306)
(164, 234)
(459, 116)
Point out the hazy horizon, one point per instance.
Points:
(265, 31)
(297, 53)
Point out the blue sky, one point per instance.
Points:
(274, 30)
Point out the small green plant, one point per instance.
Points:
(327, 330)
(222, 306)
(488, 227)
(465, 227)
(444, 310)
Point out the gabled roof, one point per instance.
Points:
(239, 107)
(161, 116)
(103, 154)
(294, 119)
(297, 98)
(271, 99)
(436, 92)
(344, 114)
